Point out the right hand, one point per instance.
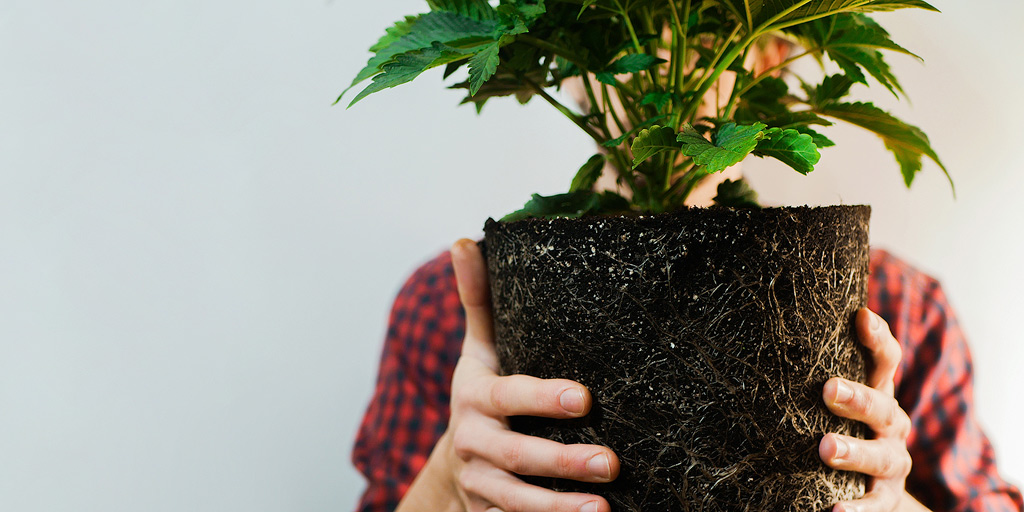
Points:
(484, 455)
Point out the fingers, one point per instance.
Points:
(886, 352)
(525, 455)
(881, 458)
(507, 493)
(879, 411)
(881, 499)
(521, 395)
(474, 291)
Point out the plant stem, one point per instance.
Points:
(557, 50)
(563, 109)
(722, 66)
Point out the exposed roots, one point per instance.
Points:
(705, 337)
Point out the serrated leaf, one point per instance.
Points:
(780, 13)
(482, 66)
(796, 119)
(477, 9)
(736, 194)
(833, 88)
(790, 147)
(588, 175)
(892, 5)
(652, 141)
(732, 143)
(407, 66)
(622, 138)
(627, 64)
(586, 4)
(571, 205)
(421, 33)
(902, 139)
(819, 140)
(658, 99)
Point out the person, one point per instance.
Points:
(436, 432)
(436, 436)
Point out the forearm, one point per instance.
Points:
(433, 490)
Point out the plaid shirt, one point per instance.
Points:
(954, 464)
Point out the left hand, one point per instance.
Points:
(884, 458)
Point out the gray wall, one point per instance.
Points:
(197, 252)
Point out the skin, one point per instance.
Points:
(474, 466)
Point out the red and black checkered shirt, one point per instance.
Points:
(954, 465)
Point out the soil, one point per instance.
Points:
(705, 337)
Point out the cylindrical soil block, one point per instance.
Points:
(705, 337)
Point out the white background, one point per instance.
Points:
(198, 252)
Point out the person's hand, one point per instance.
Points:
(884, 458)
(485, 456)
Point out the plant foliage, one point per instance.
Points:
(651, 72)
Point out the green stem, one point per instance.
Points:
(557, 50)
(708, 81)
(563, 109)
(734, 99)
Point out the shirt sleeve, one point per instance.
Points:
(954, 463)
(409, 412)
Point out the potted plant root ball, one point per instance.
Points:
(705, 335)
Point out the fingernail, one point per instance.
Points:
(598, 465)
(572, 400)
(876, 321)
(842, 448)
(843, 392)
(590, 506)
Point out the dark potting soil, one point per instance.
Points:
(705, 337)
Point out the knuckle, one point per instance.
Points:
(907, 464)
(512, 456)
(564, 462)
(462, 397)
(895, 350)
(864, 402)
(462, 444)
(887, 467)
(511, 500)
(501, 395)
(469, 481)
(905, 425)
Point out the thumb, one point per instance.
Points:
(475, 294)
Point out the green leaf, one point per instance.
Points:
(853, 41)
(479, 10)
(892, 5)
(790, 147)
(586, 4)
(832, 89)
(622, 138)
(482, 66)
(820, 140)
(627, 64)
(732, 143)
(421, 33)
(908, 143)
(571, 205)
(658, 99)
(588, 175)
(736, 194)
(778, 14)
(651, 141)
(407, 66)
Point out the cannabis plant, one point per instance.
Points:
(646, 67)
